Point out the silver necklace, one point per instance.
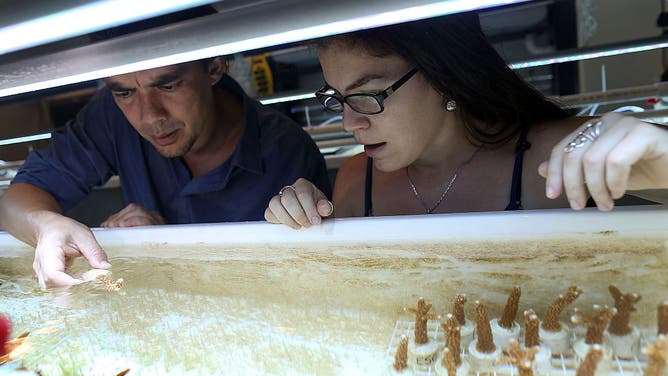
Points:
(427, 209)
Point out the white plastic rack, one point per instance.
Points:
(561, 366)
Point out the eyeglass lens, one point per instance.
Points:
(365, 103)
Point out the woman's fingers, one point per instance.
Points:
(269, 215)
(294, 201)
(298, 205)
(279, 214)
(605, 157)
(596, 165)
(573, 180)
(618, 166)
(566, 165)
(325, 207)
(639, 160)
(553, 172)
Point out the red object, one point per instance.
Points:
(5, 331)
(653, 101)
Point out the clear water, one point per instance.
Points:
(201, 311)
(190, 318)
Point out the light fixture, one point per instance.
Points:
(288, 98)
(84, 19)
(268, 24)
(595, 52)
(18, 140)
(210, 36)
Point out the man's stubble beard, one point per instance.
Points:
(182, 150)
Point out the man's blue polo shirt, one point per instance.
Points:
(272, 152)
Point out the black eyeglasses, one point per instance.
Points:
(364, 103)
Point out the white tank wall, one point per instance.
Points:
(525, 225)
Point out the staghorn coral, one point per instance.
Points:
(449, 362)
(109, 284)
(625, 304)
(510, 310)
(520, 358)
(531, 323)
(590, 362)
(662, 318)
(551, 321)
(401, 356)
(657, 354)
(458, 308)
(485, 343)
(453, 339)
(596, 323)
(422, 315)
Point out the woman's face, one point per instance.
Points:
(412, 123)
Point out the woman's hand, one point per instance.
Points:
(607, 157)
(299, 205)
(134, 215)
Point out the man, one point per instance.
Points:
(188, 145)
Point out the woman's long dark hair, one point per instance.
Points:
(456, 58)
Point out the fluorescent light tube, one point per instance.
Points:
(85, 19)
(595, 52)
(288, 98)
(18, 140)
(266, 25)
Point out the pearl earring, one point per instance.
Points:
(450, 105)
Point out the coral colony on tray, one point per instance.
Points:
(597, 341)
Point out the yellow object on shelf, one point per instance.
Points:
(262, 76)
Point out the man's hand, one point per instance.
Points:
(60, 240)
(134, 215)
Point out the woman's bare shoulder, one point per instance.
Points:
(545, 136)
(349, 187)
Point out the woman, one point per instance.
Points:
(448, 127)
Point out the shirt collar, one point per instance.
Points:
(246, 155)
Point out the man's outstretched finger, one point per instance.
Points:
(59, 279)
(94, 254)
(54, 277)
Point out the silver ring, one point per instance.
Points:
(280, 193)
(331, 208)
(585, 136)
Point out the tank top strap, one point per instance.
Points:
(368, 205)
(516, 188)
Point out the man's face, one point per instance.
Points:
(169, 106)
